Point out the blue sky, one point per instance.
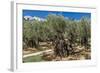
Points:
(44, 14)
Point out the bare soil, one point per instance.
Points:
(80, 53)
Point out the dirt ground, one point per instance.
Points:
(80, 53)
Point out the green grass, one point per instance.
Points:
(36, 58)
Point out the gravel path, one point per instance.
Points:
(37, 53)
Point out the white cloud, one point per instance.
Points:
(34, 18)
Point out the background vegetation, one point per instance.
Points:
(76, 31)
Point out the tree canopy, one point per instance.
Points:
(76, 31)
